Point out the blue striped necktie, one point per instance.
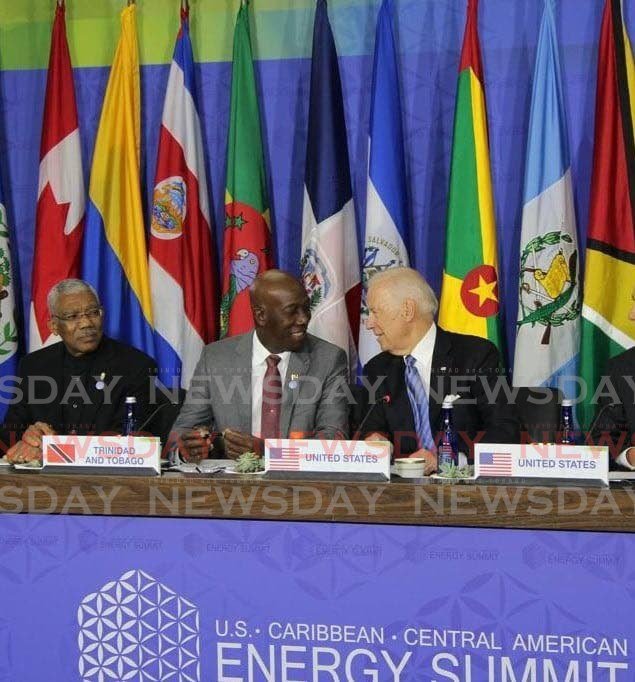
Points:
(419, 403)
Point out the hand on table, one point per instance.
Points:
(194, 444)
(29, 448)
(430, 458)
(237, 443)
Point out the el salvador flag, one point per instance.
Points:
(548, 323)
(386, 241)
(8, 327)
(182, 263)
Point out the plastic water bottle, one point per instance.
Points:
(130, 420)
(448, 450)
(566, 423)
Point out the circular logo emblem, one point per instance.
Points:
(549, 294)
(168, 208)
(479, 291)
(315, 277)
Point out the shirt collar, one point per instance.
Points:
(259, 353)
(422, 352)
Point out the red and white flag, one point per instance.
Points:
(330, 259)
(182, 261)
(59, 221)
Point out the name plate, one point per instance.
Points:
(542, 460)
(138, 454)
(328, 456)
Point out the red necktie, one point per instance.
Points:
(271, 399)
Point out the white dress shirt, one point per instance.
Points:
(259, 355)
(422, 353)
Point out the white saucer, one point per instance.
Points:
(231, 470)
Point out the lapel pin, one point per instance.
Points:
(294, 381)
(99, 384)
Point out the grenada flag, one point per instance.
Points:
(469, 295)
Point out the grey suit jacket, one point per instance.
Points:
(314, 398)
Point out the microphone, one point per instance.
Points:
(596, 420)
(384, 400)
(153, 415)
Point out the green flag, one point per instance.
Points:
(247, 236)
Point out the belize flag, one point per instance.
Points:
(548, 326)
(8, 326)
(386, 241)
(330, 261)
(115, 260)
(59, 223)
(182, 263)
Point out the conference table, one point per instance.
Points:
(229, 578)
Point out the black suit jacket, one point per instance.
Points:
(461, 364)
(103, 411)
(615, 425)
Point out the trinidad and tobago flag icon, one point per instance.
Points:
(60, 454)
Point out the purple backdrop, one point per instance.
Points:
(79, 593)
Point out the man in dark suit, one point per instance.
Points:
(271, 383)
(614, 424)
(80, 384)
(421, 364)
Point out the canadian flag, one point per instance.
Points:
(61, 195)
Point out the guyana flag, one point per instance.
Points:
(610, 248)
(247, 235)
(469, 294)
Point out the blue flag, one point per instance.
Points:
(548, 323)
(386, 240)
(330, 260)
(182, 264)
(8, 327)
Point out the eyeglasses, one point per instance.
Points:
(90, 313)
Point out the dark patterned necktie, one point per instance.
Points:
(271, 399)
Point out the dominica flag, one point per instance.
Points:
(610, 248)
(247, 236)
(469, 294)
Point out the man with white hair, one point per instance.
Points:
(80, 384)
(421, 364)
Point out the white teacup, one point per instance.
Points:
(410, 467)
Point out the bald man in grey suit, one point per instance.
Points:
(228, 393)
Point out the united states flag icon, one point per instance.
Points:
(495, 463)
(284, 458)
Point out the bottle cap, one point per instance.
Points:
(130, 399)
(447, 404)
(567, 403)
